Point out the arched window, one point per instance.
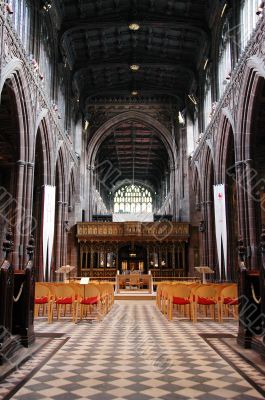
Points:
(22, 16)
(133, 199)
(207, 99)
(248, 20)
(224, 62)
(46, 55)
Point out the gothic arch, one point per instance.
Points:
(254, 72)
(222, 148)
(101, 134)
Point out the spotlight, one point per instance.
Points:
(47, 5)
(35, 64)
(134, 93)
(134, 67)
(9, 8)
(260, 9)
(134, 26)
(181, 119)
(192, 99)
(223, 10)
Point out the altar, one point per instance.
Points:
(134, 282)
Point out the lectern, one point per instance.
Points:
(65, 269)
(204, 270)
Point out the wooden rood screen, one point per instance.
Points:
(163, 243)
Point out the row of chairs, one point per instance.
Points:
(196, 300)
(54, 298)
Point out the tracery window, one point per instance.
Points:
(46, 56)
(248, 20)
(207, 101)
(21, 19)
(224, 62)
(133, 199)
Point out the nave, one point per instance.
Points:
(135, 353)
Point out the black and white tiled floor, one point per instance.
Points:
(136, 354)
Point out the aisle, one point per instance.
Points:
(136, 354)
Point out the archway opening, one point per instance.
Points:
(133, 257)
(11, 195)
(131, 172)
(38, 205)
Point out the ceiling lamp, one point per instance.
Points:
(134, 26)
(47, 5)
(223, 10)
(193, 99)
(134, 93)
(134, 67)
(260, 9)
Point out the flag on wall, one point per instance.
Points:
(48, 228)
(220, 225)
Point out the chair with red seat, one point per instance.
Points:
(228, 299)
(204, 296)
(64, 296)
(179, 295)
(42, 300)
(89, 296)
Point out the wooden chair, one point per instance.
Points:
(180, 296)
(64, 295)
(134, 281)
(205, 296)
(228, 298)
(89, 297)
(43, 300)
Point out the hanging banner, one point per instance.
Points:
(220, 225)
(48, 228)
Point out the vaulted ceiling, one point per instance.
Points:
(170, 44)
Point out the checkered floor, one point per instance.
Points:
(136, 354)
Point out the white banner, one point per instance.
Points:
(48, 228)
(220, 225)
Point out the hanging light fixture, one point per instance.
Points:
(134, 67)
(134, 93)
(134, 26)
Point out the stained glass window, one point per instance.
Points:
(133, 199)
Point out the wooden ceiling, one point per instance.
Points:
(170, 45)
(136, 151)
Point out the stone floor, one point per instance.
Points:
(136, 354)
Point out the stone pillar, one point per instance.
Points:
(251, 215)
(17, 260)
(210, 233)
(27, 217)
(240, 179)
(203, 234)
(58, 233)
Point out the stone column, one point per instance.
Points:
(17, 260)
(209, 206)
(251, 215)
(58, 233)
(27, 217)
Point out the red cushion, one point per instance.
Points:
(64, 300)
(41, 300)
(180, 301)
(89, 300)
(232, 302)
(205, 301)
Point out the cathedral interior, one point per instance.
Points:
(136, 196)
